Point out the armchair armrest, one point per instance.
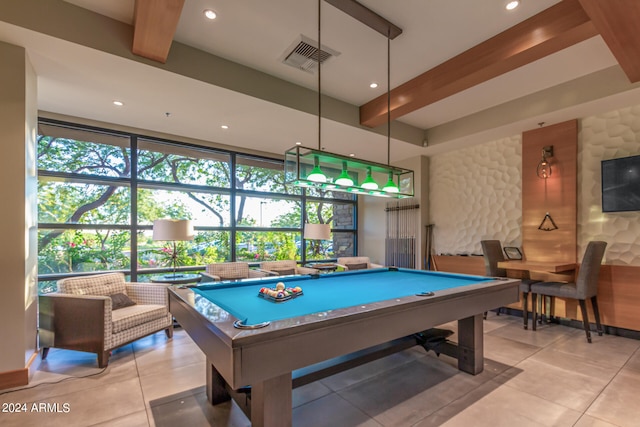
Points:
(148, 293)
(253, 273)
(207, 277)
(267, 272)
(306, 270)
(344, 267)
(75, 322)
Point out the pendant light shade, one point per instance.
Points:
(369, 183)
(390, 186)
(316, 174)
(344, 178)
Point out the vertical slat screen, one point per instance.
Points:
(403, 230)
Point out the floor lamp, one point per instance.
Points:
(317, 231)
(173, 230)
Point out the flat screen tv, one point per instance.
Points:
(621, 184)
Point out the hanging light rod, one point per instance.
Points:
(368, 17)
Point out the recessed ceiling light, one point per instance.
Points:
(373, 85)
(118, 103)
(298, 143)
(352, 154)
(210, 14)
(512, 4)
(224, 127)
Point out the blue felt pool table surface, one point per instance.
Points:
(327, 292)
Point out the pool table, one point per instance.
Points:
(252, 341)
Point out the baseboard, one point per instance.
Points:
(19, 377)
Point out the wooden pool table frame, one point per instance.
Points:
(265, 358)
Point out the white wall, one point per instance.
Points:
(18, 178)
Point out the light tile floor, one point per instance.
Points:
(551, 377)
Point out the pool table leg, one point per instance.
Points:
(470, 345)
(216, 390)
(271, 402)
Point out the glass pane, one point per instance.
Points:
(173, 163)
(63, 149)
(267, 246)
(207, 247)
(261, 175)
(261, 212)
(204, 209)
(337, 215)
(64, 251)
(66, 202)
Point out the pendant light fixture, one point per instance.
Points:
(317, 168)
(344, 178)
(316, 174)
(390, 186)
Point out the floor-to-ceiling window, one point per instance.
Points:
(101, 190)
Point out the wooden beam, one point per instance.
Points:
(617, 23)
(155, 23)
(550, 31)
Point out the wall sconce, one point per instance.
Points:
(544, 167)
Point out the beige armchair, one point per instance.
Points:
(350, 263)
(285, 268)
(230, 271)
(102, 312)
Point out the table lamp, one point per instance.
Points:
(173, 230)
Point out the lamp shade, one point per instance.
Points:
(317, 231)
(172, 229)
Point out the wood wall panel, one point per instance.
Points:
(618, 291)
(556, 194)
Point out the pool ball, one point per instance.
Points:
(280, 286)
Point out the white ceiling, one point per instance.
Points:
(79, 81)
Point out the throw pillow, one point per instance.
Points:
(285, 271)
(352, 267)
(119, 301)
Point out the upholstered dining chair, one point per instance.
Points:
(585, 286)
(492, 254)
(230, 271)
(285, 268)
(350, 263)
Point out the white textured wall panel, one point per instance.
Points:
(475, 194)
(603, 137)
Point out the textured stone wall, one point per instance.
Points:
(603, 137)
(475, 194)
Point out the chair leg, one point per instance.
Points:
(103, 358)
(525, 312)
(45, 352)
(596, 313)
(540, 309)
(585, 319)
(169, 331)
(534, 303)
(484, 316)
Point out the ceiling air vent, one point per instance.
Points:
(303, 54)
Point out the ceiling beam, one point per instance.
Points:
(617, 22)
(550, 31)
(155, 23)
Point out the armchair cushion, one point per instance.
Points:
(361, 266)
(284, 271)
(99, 284)
(135, 315)
(120, 300)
